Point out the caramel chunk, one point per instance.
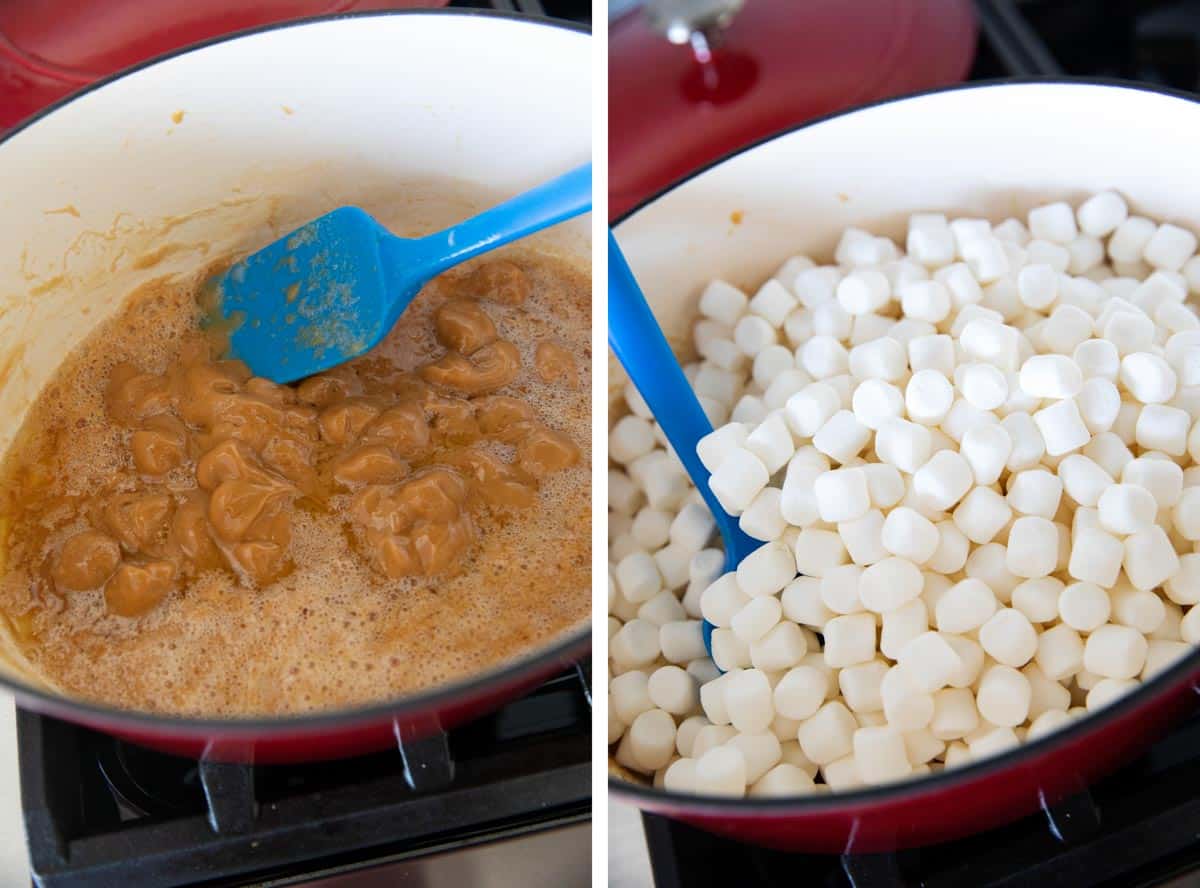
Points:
(192, 536)
(132, 395)
(493, 366)
(497, 412)
(262, 561)
(321, 391)
(555, 364)
(85, 561)
(463, 326)
(369, 464)
(404, 427)
(136, 589)
(500, 281)
(453, 420)
(544, 451)
(160, 446)
(235, 505)
(136, 519)
(345, 422)
(496, 482)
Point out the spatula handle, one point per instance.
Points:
(548, 204)
(639, 344)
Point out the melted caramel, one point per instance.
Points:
(371, 515)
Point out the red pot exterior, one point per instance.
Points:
(949, 806)
(52, 48)
(320, 737)
(779, 63)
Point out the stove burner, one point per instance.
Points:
(102, 811)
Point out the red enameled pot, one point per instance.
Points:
(225, 146)
(993, 150)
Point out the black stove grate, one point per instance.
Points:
(102, 812)
(1139, 827)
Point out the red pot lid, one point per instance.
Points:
(53, 47)
(778, 64)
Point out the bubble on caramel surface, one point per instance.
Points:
(333, 631)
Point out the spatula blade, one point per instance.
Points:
(313, 299)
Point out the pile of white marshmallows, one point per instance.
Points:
(976, 469)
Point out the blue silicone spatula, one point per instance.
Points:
(639, 344)
(332, 289)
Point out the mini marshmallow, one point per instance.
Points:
(1169, 247)
(986, 449)
(738, 479)
(1148, 377)
(951, 553)
(903, 444)
(1163, 428)
(842, 437)
(982, 385)
(1062, 428)
(1059, 652)
(1100, 214)
(1139, 609)
(981, 514)
(1149, 559)
(909, 535)
(681, 641)
(943, 480)
(875, 401)
(880, 755)
(863, 538)
(1186, 514)
(1163, 478)
(1083, 606)
(1004, 696)
(1126, 508)
(928, 396)
(888, 584)
(1037, 286)
(863, 291)
(816, 551)
(822, 357)
(929, 661)
(1028, 446)
(1115, 652)
(1099, 405)
(1054, 222)
(1037, 599)
(763, 518)
(766, 570)
(1083, 480)
(991, 342)
(723, 302)
(1129, 239)
(1034, 492)
(828, 735)
(1032, 547)
(842, 495)
(1097, 358)
(882, 358)
(1051, 376)
(783, 647)
(901, 625)
(849, 639)
(966, 606)
(1008, 637)
(934, 352)
(772, 443)
(800, 692)
(718, 445)
(906, 706)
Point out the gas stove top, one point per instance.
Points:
(101, 812)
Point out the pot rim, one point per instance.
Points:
(1186, 670)
(570, 646)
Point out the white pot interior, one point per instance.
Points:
(993, 151)
(422, 119)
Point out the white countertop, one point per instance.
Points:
(628, 859)
(14, 858)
